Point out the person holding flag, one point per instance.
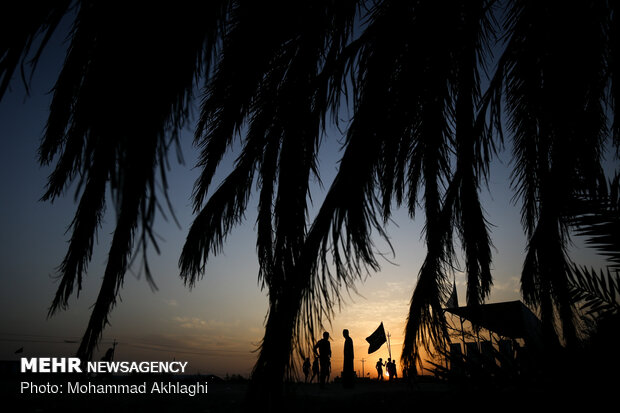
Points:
(375, 341)
(379, 367)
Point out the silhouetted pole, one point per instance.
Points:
(389, 348)
(363, 367)
(463, 335)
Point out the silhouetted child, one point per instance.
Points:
(315, 368)
(394, 373)
(306, 368)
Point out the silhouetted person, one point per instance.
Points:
(109, 354)
(347, 368)
(325, 353)
(394, 374)
(306, 368)
(391, 368)
(379, 367)
(315, 368)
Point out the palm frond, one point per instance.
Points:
(448, 94)
(132, 204)
(544, 281)
(613, 50)
(559, 126)
(426, 325)
(597, 218)
(273, 86)
(246, 53)
(224, 210)
(474, 148)
(85, 225)
(596, 294)
(112, 122)
(24, 25)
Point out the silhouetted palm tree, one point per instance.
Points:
(272, 80)
(422, 133)
(415, 102)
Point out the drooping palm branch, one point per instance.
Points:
(269, 82)
(419, 135)
(466, 32)
(597, 218)
(25, 25)
(556, 115)
(597, 294)
(112, 121)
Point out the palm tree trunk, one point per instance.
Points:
(267, 379)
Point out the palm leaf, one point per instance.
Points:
(559, 126)
(112, 122)
(597, 218)
(268, 88)
(597, 294)
(22, 24)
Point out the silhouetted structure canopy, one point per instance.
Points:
(511, 319)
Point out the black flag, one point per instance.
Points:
(376, 339)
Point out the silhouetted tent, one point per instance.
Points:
(511, 319)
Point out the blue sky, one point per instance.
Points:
(216, 325)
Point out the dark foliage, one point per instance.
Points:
(425, 123)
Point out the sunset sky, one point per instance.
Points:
(217, 325)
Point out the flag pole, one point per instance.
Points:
(363, 367)
(389, 347)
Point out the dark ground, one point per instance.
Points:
(367, 396)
